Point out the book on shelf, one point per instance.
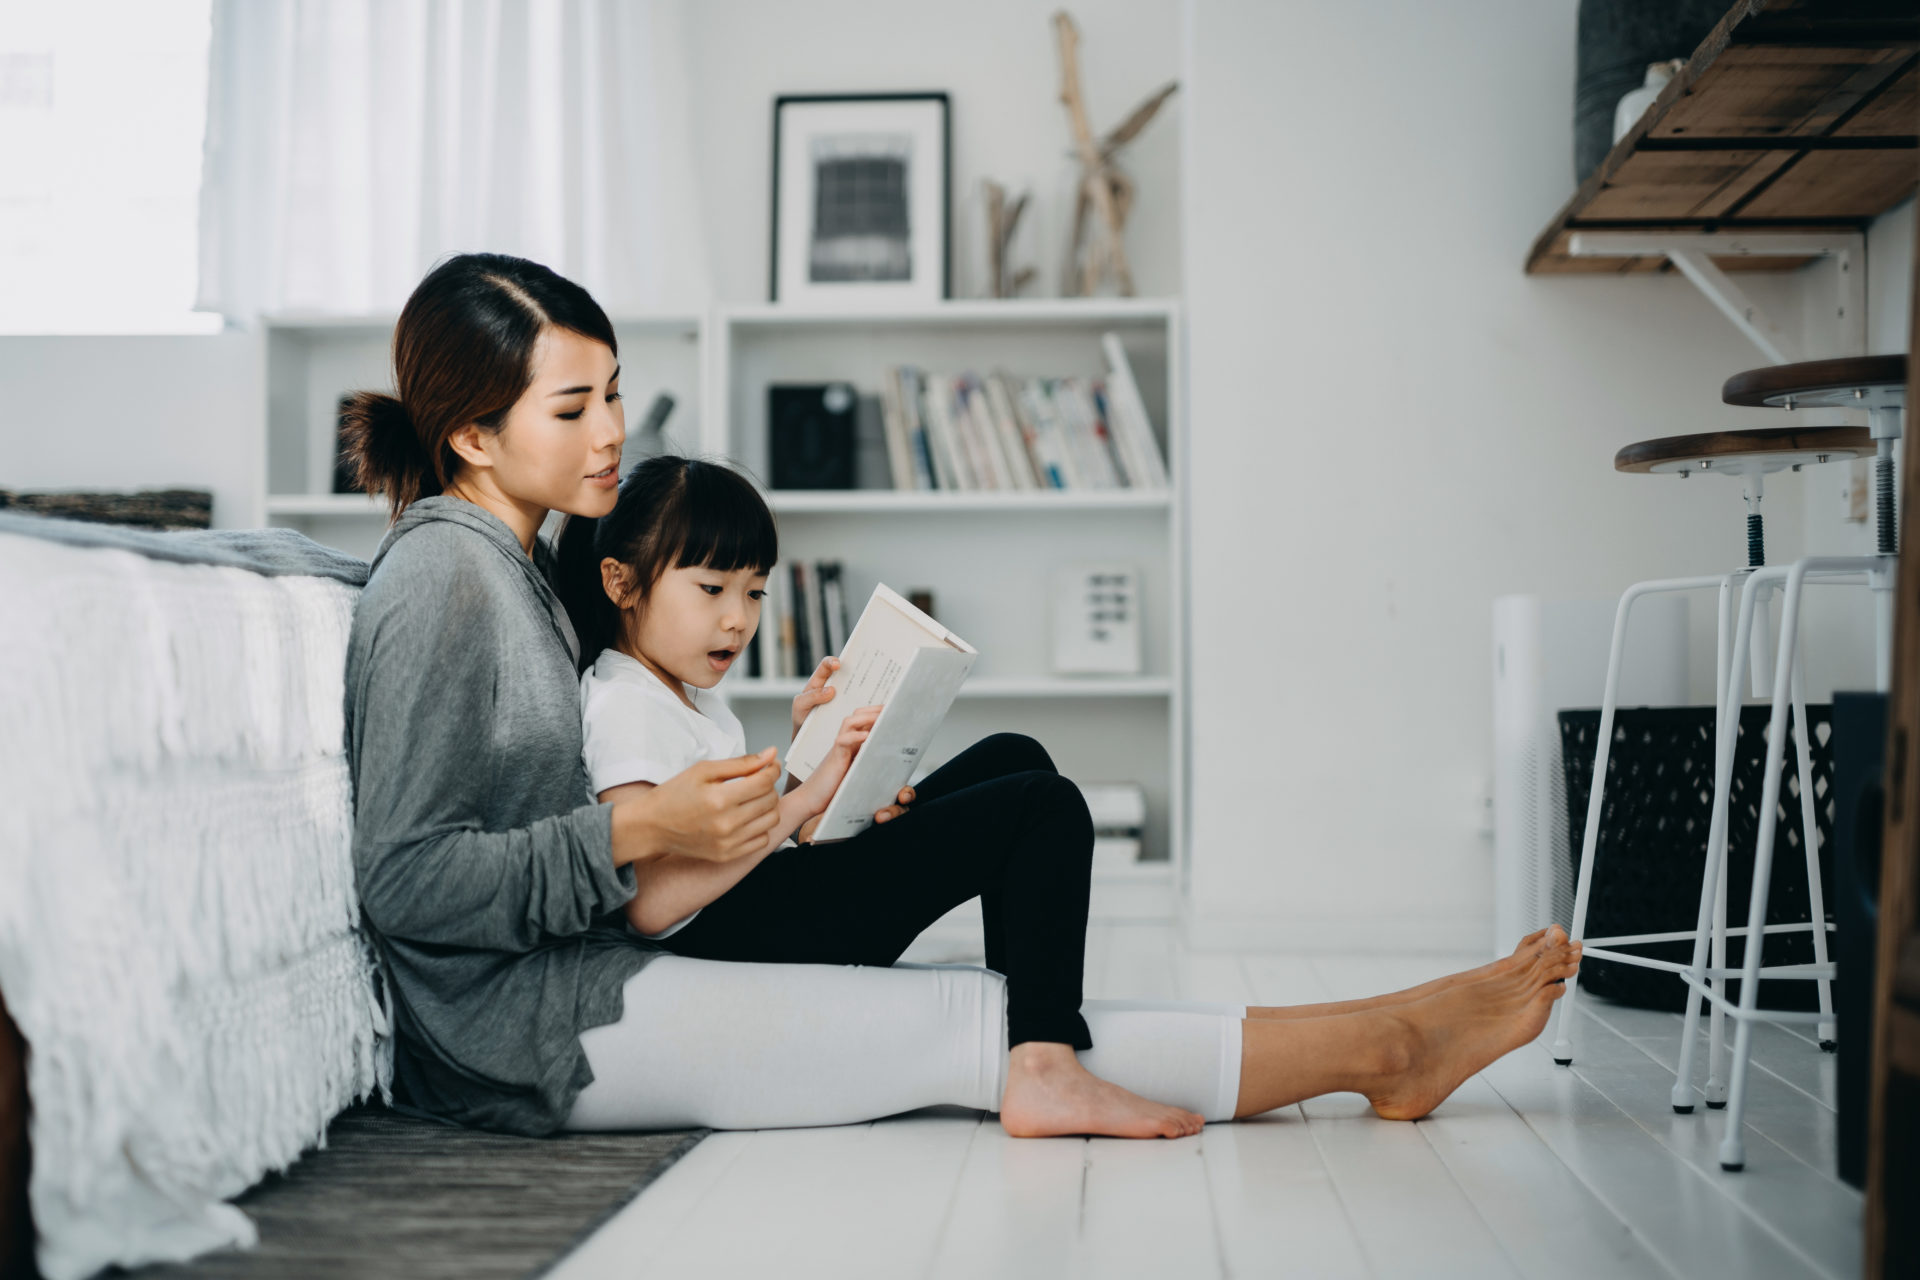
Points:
(1134, 429)
(803, 618)
(902, 660)
(1011, 433)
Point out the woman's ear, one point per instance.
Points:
(469, 443)
(616, 579)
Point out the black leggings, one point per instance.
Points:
(996, 822)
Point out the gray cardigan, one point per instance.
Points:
(485, 868)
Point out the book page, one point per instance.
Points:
(886, 760)
(885, 639)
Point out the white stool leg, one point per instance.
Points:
(1810, 837)
(1716, 1088)
(1589, 842)
(1733, 1151)
(1682, 1096)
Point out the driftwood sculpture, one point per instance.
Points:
(1105, 193)
(1002, 220)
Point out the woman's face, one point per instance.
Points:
(559, 447)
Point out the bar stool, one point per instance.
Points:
(1878, 385)
(1751, 456)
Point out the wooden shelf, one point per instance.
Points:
(747, 687)
(1786, 118)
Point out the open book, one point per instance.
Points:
(899, 658)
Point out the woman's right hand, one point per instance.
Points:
(715, 811)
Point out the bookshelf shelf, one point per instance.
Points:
(1052, 312)
(308, 362)
(988, 687)
(911, 502)
(990, 557)
(325, 504)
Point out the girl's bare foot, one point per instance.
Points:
(1050, 1094)
(1456, 1032)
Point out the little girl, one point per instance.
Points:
(666, 593)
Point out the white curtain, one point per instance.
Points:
(352, 143)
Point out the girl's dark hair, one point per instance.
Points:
(462, 352)
(672, 513)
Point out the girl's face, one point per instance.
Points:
(695, 623)
(559, 447)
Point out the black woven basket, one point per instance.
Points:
(1652, 848)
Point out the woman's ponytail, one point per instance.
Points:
(382, 447)
(576, 580)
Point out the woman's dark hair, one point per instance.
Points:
(462, 352)
(672, 513)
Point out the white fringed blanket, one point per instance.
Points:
(177, 913)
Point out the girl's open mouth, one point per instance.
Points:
(720, 659)
(605, 479)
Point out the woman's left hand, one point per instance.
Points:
(815, 693)
(895, 810)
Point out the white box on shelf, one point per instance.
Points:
(1096, 619)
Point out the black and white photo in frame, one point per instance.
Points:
(860, 199)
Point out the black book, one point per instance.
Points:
(803, 660)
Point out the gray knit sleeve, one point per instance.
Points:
(451, 712)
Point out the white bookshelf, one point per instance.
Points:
(308, 362)
(988, 557)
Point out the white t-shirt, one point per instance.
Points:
(636, 729)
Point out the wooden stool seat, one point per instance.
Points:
(1855, 382)
(1765, 450)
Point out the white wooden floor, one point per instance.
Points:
(1529, 1170)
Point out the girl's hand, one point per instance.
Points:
(816, 691)
(854, 730)
(832, 770)
(895, 810)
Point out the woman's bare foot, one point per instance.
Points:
(1456, 1032)
(1530, 948)
(1050, 1094)
(1525, 952)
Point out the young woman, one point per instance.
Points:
(494, 885)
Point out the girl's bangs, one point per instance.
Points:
(728, 524)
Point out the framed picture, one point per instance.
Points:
(860, 199)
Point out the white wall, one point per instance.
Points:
(997, 61)
(138, 411)
(1392, 425)
(133, 413)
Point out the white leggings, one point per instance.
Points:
(730, 1045)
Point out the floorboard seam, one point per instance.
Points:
(1701, 1052)
(1426, 1135)
(953, 1197)
(1340, 1198)
(1213, 1210)
(1752, 1215)
(1663, 1068)
(1673, 1269)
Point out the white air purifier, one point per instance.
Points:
(1550, 656)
